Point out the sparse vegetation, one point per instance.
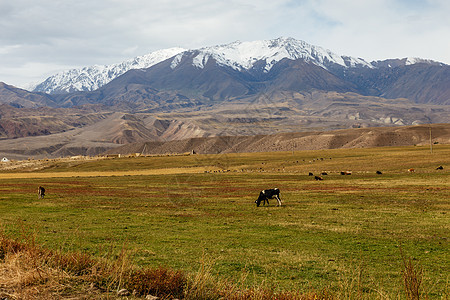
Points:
(200, 236)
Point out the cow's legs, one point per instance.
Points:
(279, 200)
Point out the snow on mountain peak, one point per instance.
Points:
(93, 77)
(417, 60)
(243, 55)
(237, 55)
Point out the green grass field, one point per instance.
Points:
(345, 232)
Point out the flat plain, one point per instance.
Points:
(182, 211)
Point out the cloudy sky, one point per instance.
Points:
(39, 38)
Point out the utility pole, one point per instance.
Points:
(431, 142)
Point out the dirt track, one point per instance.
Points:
(165, 171)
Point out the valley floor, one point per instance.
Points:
(346, 236)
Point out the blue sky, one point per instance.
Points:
(39, 38)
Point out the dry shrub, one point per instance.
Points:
(28, 272)
(159, 282)
(9, 246)
(74, 263)
(203, 285)
(412, 278)
(24, 275)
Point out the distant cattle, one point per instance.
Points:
(41, 192)
(440, 168)
(318, 178)
(265, 195)
(324, 173)
(411, 170)
(379, 172)
(346, 173)
(311, 174)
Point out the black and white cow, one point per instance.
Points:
(265, 195)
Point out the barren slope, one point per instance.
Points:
(110, 131)
(349, 138)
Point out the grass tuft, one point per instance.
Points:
(75, 263)
(160, 281)
(412, 278)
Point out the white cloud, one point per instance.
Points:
(55, 34)
(379, 29)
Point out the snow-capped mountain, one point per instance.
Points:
(239, 56)
(93, 77)
(243, 55)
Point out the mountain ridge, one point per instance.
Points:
(237, 55)
(92, 143)
(93, 77)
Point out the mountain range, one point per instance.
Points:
(247, 67)
(241, 88)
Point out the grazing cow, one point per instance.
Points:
(411, 170)
(324, 173)
(311, 174)
(318, 178)
(440, 168)
(342, 173)
(379, 172)
(346, 173)
(41, 192)
(265, 195)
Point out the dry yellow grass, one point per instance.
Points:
(163, 171)
(23, 276)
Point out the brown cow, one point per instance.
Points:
(411, 170)
(41, 192)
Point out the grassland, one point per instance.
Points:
(342, 233)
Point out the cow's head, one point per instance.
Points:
(258, 202)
